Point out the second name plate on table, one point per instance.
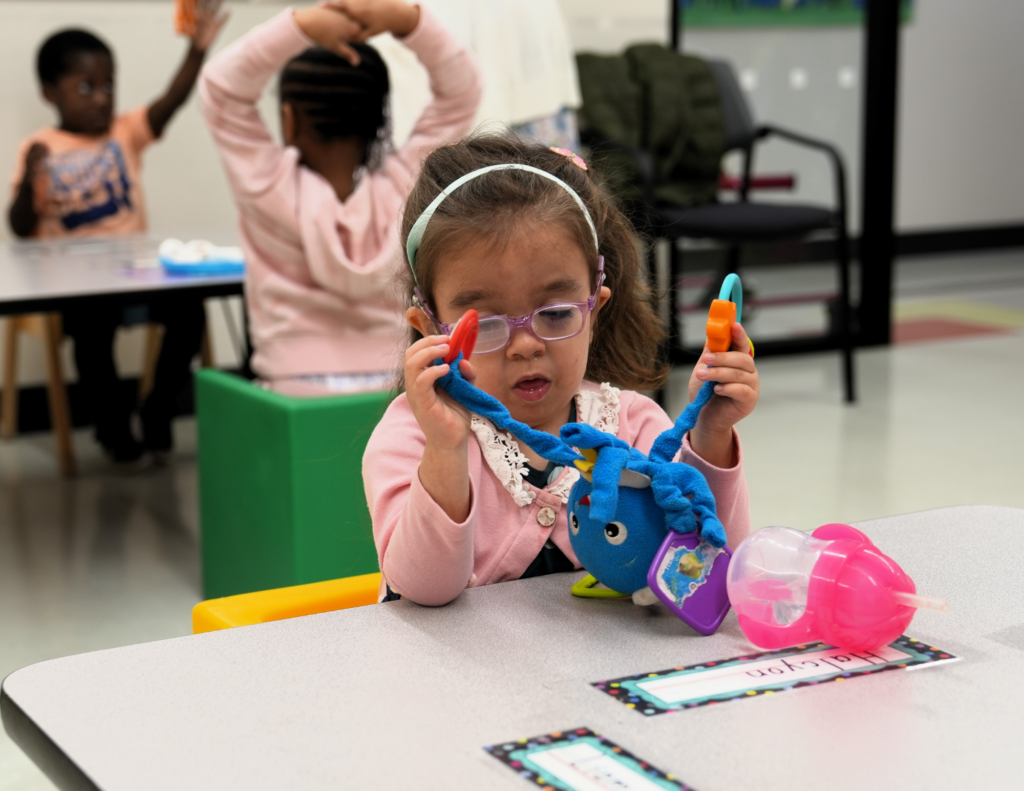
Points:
(764, 673)
(581, 760)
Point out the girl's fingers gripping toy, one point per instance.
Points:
(834, 585)
(640, 524)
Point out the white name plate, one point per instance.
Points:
(763, 674)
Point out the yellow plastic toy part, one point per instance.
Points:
(587, 466)
(246, 609)
(585, 590)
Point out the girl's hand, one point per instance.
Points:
(444, 468)
(445, 424)
(379, 16)
(332, 29)
(209, 23)
(736, 393)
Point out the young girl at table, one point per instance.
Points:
(319, 216)
(520, 232)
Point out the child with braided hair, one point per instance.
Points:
(527, 237)
(319, 216)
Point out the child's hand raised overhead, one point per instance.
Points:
(379, 16)
(736, 393)
(209, 23)
(331, 29)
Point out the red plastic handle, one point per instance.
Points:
(780, 181)
(463, 339)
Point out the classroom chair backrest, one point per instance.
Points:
(738, 121)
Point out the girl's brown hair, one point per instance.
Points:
(627, 332)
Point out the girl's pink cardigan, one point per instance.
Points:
(428, 558)
(320, 273)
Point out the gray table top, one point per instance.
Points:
(45, 275)
(402, 696)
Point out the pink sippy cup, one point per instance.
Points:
(833, 585)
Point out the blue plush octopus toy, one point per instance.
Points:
(624, 504)
(628, 509)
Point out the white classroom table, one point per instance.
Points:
(47, 275)
(405, 697)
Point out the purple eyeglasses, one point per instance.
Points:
(555, 322)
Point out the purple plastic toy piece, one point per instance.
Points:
(689, 575)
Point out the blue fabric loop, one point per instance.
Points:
(679, 489)
(476, 400)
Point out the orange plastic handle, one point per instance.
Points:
(721, 317)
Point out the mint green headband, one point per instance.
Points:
(420, 226)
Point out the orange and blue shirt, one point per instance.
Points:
(90, 186)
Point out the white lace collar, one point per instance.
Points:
(599, 408)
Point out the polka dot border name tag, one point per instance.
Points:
(765, 673)
(581, 760)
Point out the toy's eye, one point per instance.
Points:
(615, 532)
(574, 524)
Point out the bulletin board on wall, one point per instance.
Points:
(774, 13)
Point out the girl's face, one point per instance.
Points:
(542, 264)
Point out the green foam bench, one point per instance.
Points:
(281, 497)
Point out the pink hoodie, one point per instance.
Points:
(321, 275)
(428, 558)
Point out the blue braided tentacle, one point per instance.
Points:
(476, 400)
(671, 484)
(668, 443)
(604, 499)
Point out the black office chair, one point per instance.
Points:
(662, 209)
(745, 221)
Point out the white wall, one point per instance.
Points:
(962, 99)
(961, 160)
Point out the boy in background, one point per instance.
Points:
(82, 179)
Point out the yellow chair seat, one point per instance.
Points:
(246, 609)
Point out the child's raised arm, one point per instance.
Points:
(209, 22)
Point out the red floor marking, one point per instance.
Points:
(918, 330)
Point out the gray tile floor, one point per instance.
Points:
(104, 561)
